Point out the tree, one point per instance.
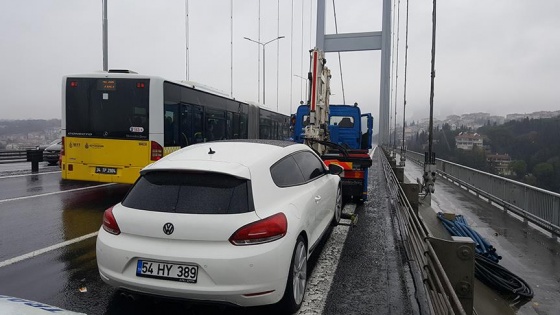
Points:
(544, 172)
(519, 168)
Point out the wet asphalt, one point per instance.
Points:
(370, 277)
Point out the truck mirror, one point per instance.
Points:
(335, 169)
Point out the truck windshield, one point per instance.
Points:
(342, 121)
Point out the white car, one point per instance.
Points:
(229, 222)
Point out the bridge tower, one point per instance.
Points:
(379, 40)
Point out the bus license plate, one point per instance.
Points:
(167, 271)
(105, 170)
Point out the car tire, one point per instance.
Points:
(297, 279)
(337, 208)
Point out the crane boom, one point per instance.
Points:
(317, 129)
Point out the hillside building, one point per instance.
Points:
(468, 140)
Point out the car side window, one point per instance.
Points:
(286, 173)
(310, 166)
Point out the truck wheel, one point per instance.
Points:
(337, 208)
(297, 279)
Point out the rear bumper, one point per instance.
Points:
(77, 171)
(238, 275)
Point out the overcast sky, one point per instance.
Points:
(499, 57)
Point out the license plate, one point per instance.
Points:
(105, 170)
(167, 271)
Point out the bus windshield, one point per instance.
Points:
(107, 108)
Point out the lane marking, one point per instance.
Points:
(54, 193)
(45, 250)
(321, 279)
(372, 152)
(22, 175)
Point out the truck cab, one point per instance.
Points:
(349, 133)
(348, 127)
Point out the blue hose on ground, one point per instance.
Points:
(459, 227)
(487, 269)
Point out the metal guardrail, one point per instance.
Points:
(428, 270)
(13, 156)
(538, 206)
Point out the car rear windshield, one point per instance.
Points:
(189, 192)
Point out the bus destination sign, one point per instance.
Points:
(106, 85)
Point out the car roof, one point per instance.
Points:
(55, 146)
(236, 157)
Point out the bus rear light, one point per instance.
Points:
(73, 83)
(156, 151)
(140, 85)
(62, 147)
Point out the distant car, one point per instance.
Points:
(52, 152)
(42, 147)
(229, 222)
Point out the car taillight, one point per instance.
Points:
(262, 231)
(156, 151)
(110, 223)
(62, 147)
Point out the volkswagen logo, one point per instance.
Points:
(168, 228)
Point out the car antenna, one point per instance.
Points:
(211, 152)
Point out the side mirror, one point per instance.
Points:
(335, 169)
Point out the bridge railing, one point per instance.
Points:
(7, 156)
(439, 295)
(538, 206)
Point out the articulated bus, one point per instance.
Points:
(115, 123)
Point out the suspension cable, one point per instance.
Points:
(302, 50)
(403, 148)
(339, 61)
(277, 53)
(187, 39)
(311, 24)
(259, 57)
(392, 73)
(397, 73)
(291, 55)
(231, 47)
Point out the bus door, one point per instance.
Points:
(190, 128)
(215, 128)
(171, 126)
(182, 125)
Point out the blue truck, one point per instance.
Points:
(349, 138)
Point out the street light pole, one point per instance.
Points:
(264, 56)
(105, 38)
